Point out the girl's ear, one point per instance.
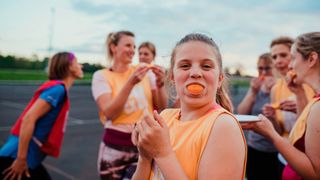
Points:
(113, 48)
(221, 78)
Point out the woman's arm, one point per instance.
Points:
(19, 167)
(246, 104)
(225, 153)
(306, 164)
(160, 97)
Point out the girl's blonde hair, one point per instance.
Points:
(114, 38)
(307, 43)
(150, 46)
(222, 96)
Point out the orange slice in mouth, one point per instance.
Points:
(262, 77)
(195, 89)
(291, 76)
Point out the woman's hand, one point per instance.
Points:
(153, 136)
(289, 105)
(268, 83)
(18, 168)
(138, 74)
(268, 111)
(255, 84)
(263, 127)
(160, 75)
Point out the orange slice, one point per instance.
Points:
(292, 74)
(262, 77)
(195, 89)
(275, 105)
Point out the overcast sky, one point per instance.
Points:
(242, 29)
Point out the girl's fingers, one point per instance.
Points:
(150, 121)
(134, 136)
(159, 119)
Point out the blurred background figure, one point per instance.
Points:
(39, 130)
(147, 54)
(262, 160)
(302, 150)
(124, 94)
(284, 107)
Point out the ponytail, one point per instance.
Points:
(223, 98)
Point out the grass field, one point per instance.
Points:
(27, 75)
(19, 75)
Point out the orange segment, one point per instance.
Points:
(195, 89)
(262, 77)
(292, 74)
(275, 105)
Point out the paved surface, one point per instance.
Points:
(80, 148)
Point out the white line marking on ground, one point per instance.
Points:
(71, 122)
(12, 104)
(60, 172)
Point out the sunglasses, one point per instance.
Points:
(264, 68)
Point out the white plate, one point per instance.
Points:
(246, 118)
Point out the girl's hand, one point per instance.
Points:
(17, 170)
(160, 75)
(263, 127)
(154, 136)
(135, 140)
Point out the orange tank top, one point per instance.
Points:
(189, 140)
(300, 126)
(282, 92)
(139, 100)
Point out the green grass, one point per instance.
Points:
(240, 83)
(28, 75)
(21, 75)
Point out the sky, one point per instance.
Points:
(243, 29)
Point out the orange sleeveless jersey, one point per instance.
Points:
(189, 140)
(140, 98)
(300, 126)
(281, 92)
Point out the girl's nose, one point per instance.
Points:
(195, 72)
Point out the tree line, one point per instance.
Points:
(34, 63)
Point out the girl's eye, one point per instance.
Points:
(207, 66)
(184, 66)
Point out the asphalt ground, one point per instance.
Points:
(78, 159)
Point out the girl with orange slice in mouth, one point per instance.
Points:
(302, 150)
(202, 135)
